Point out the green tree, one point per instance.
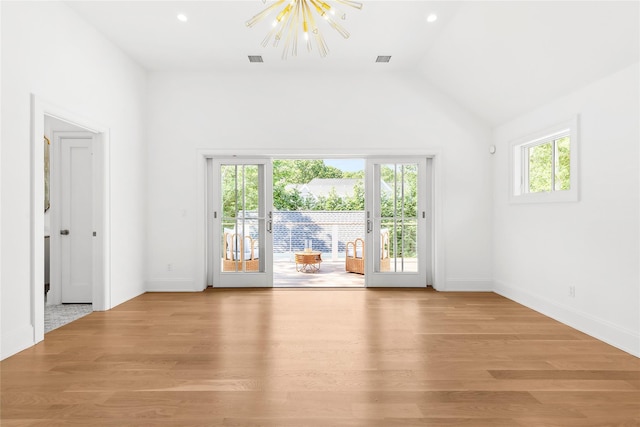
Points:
(353, 174)
(239, 189)
(355, 202)
(291, 171)
(286, 200)
(541, 161)
(540, 168)
(399, 209)
(334, 202)
(303, 171)
(563, 164)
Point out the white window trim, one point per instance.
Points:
(517, 159)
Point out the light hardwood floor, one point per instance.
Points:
(325, 357)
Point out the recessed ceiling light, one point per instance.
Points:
(432, 17)
(182, 17)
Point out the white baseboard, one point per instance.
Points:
(622, 338)
(468, 285)
(170, 285)
(17, 340)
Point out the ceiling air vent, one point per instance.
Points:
(255, 58)
(383, 59)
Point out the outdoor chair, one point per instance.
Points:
(354, 260)
(238, 250)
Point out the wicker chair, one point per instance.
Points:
(385, 260)
(354, 260)
(238, 250)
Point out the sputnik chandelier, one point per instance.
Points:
(296, 17)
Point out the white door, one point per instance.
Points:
(76, 218)
(242, 224)
(397, 241)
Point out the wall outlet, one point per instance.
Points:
(169, 267)
(572, 291)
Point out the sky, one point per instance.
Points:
(347, 165)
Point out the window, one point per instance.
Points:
(544, 165)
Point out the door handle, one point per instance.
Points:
(270, 222)
(64, 232)
(369, 226)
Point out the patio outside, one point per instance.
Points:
(319, 205)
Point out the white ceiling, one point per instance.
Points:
(216, 37)
(498, 59)
(501, 59)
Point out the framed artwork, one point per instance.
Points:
(47, 148)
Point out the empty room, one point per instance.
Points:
(296, 213)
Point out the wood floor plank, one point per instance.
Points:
(319, 357)
(610, 420)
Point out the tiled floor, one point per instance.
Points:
(59, 315)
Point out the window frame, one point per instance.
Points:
(519, 164)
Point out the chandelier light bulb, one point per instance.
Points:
(296, 16)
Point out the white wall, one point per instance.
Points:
(1, 180)
(324, 113)
(540, 250)
(49, 51)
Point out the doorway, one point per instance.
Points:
(53, 120)
(322, 224)
(68, 224)
(69, 214)
(318, 215)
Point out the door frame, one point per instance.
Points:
(423, 277)
(101, 209)
(263, 278)
(437, 249)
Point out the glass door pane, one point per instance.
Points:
(244, 228)
(398, 217)
(396, 224)
(240, 219)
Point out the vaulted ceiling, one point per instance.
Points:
(497, 59)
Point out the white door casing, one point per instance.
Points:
(40, 110)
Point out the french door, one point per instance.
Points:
(240, 213)
(398, 222)
(398, 228)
